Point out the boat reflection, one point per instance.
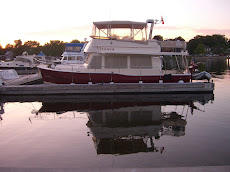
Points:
(125, 124)
(127, 127)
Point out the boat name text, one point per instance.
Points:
(106, 48)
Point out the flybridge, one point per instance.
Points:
(123, 30)
(120, 24)
(120, 30)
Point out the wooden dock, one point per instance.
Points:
(51, 89)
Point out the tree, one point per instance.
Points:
(179, 38)
(220, 46)
(9, 47)
(75, 41)
(217, 43)
(18, 48)
(54, 48)
(158, 37)
(1, 50)
(32, 47)
(200, 49)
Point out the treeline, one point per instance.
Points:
(199, 45)
(52, 48)
(215, 44)
(205, 45)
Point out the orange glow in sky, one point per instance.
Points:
(46, 20)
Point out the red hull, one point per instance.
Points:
(59, 77)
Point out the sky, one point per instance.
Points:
(66, 20)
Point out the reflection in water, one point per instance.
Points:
(126, 129)
(131, 129)
(122, 124)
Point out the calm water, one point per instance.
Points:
(122, 131)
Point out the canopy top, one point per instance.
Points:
(120, 24)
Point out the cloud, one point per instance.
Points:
(213, 31)
(189, 32)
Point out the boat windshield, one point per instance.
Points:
(120, 30)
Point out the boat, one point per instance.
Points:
(27, 64)
(11, 77)
(23, 64)
(202, 75)
(196, 75)
(74, 54)
(123, 52)
(41, 58)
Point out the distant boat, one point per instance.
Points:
(22, 64)
(27, 64)
(74, 54)
(41, 58)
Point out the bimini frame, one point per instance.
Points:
(106, 28)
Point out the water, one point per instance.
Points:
(121, 131)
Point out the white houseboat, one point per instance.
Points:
(123, 52)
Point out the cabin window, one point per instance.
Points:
(71, 58)
(140, 61)
(73, 48)
(95, 62)
(79, 58)
(115, 61)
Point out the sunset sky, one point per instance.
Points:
(66, 20)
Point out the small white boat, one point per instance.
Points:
(202, 75)
(11, 77)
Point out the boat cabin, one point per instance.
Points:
(121, 45)
(74, 53)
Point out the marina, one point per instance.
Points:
(112, 63)
(115, 86)
(117, 103)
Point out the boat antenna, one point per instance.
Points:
(151, 21)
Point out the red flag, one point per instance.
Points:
(162, 21)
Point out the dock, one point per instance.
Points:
(113, 88)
